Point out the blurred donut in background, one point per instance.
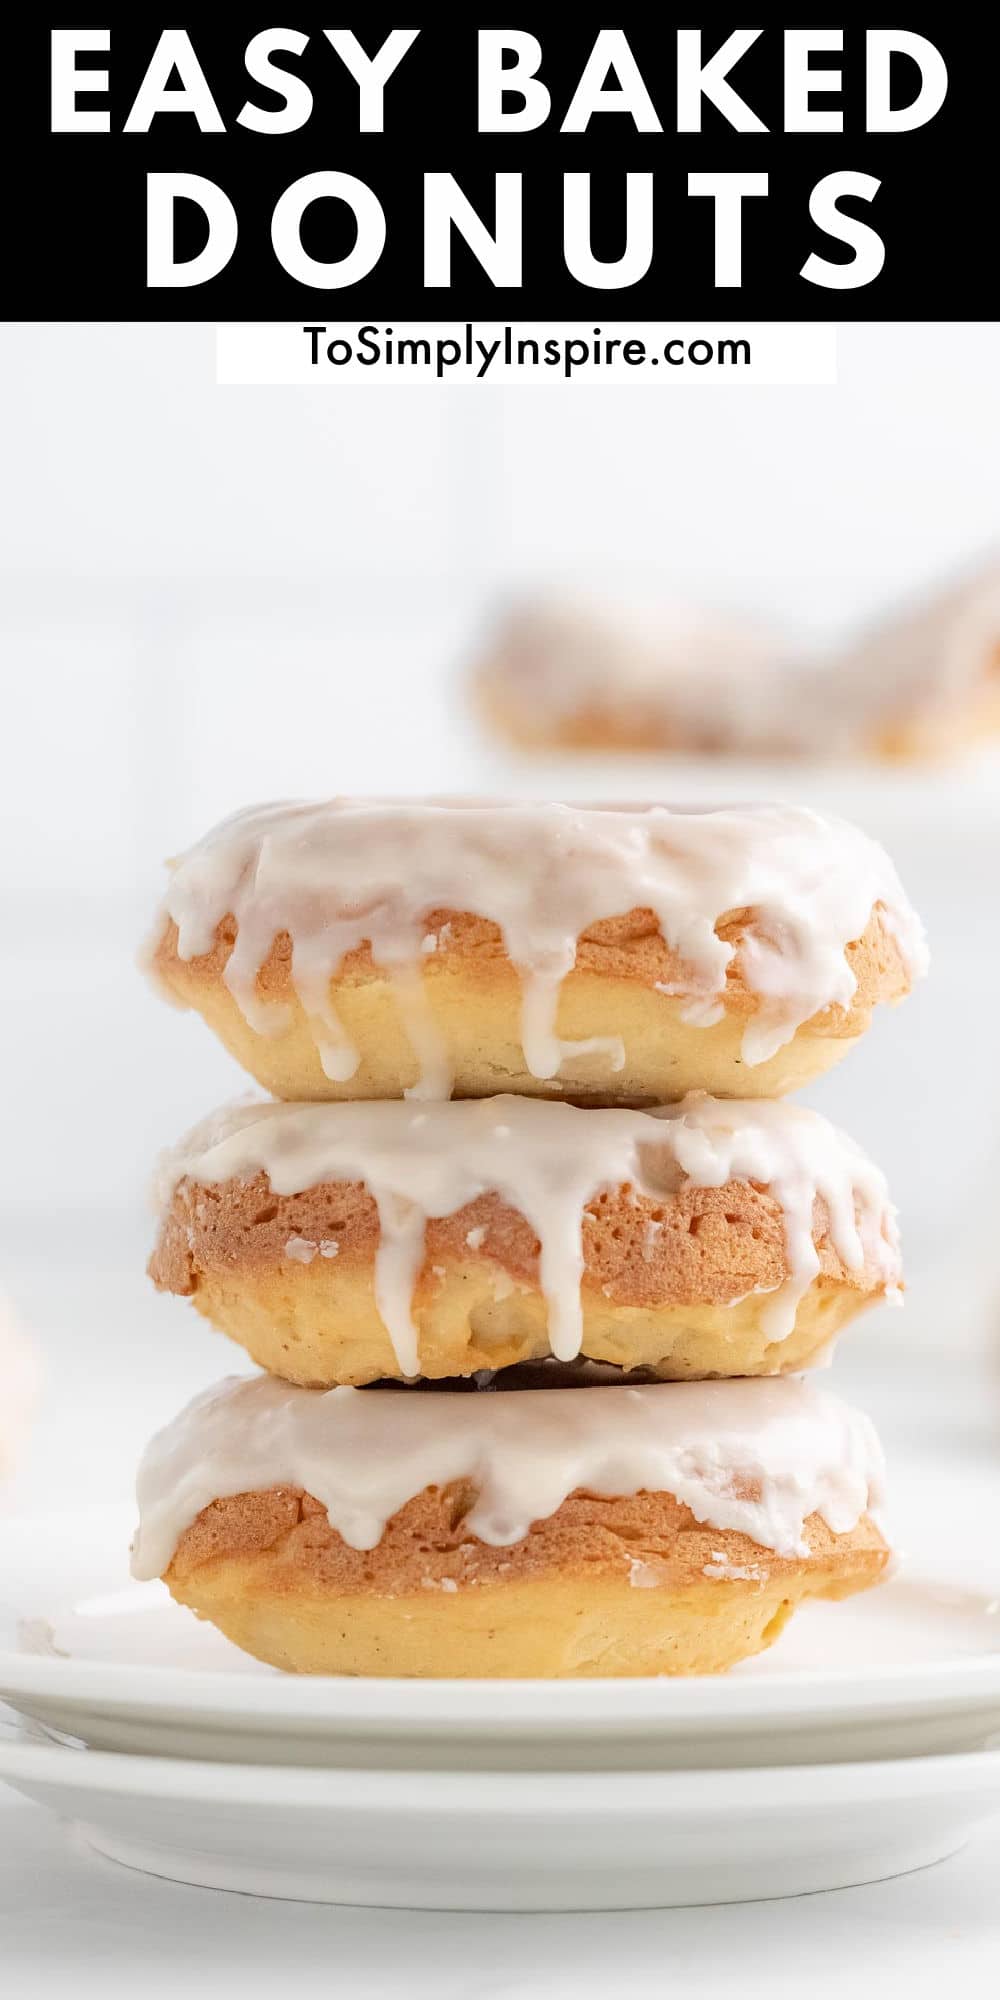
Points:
(578, 674)
(19, 1378)
(922, 682)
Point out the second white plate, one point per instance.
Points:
(512, 1840)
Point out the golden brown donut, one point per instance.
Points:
(605, 1586)
(474, 995)
(679, 1275)
(668, 1307)
(316, 942)
(653, 1529)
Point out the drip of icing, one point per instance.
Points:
(756, 1458)
(548, 1160)
(334, 875)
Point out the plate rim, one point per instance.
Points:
(140, 1687)
(771, 1788)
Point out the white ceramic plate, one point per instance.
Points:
(912, 1669)
(512, 1840)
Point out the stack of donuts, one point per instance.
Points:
(529, 1243)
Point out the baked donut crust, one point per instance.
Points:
(678, 1284)
(934, 737)
(930, 737)
(474, 994)
(626, 1587)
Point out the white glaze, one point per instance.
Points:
(335, 874)
(754, 1457)
(710, 681)
(548, 1160)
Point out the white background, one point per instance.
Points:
(209, 595)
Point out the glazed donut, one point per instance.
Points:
(348, 1243)
(366, 950)
(575, 674)
(922, 682)
(669, 1529)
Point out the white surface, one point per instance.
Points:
(74, 1924)
(911, 1669)
(513, 1840)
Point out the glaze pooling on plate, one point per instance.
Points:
(548, 1160)
(334, 875)
(758, 1458)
